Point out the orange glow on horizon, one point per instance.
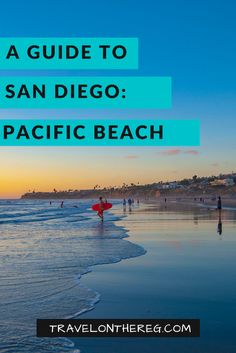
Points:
(43, 169)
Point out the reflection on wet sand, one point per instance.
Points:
(219, 226)
(180, 212)
(187, 271)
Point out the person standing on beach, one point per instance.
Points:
(101, 210)
(219, 205)
(124, 205)
(130, 204)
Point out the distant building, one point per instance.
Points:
(223, 182)
(170, 186)
(165, 186)
(229, 182)
(204, 182)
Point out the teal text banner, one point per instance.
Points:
(85, 92)
(68, 53)
(99, 133)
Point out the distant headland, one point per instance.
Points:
(211, 185)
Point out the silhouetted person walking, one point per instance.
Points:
(219, 205)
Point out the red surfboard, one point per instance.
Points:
(106, 206)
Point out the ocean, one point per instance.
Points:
(44, 251)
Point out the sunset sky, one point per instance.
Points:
(193, 42)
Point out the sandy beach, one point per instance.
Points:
(188, 271)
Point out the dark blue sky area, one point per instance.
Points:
(192, 41)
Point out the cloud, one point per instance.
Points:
(172, 152)
(176, 151)
(131, 156)
(193, 152)
(215, 164)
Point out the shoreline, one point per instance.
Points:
(92, 268)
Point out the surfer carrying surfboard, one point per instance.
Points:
(101, 208)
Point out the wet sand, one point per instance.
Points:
(188, 272)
